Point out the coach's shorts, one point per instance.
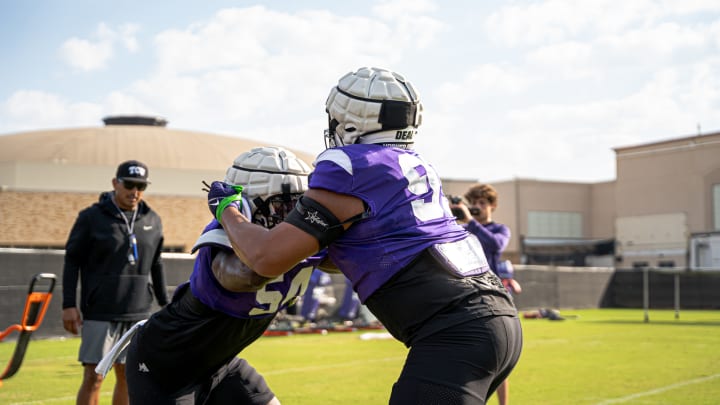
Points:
(98, 337)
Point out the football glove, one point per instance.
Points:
(222, 195)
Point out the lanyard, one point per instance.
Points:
(133, 256)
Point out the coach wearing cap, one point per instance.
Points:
(114, 249)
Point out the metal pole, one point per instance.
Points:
(677, 295)
(646, 294)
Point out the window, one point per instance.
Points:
(549, 224)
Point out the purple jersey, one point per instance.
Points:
(494, 238)
(275, 296)
(407, 211)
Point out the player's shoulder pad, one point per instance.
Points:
(214, 237)
(337, 156)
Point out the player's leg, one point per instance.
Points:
(93, 338)
(144, 390)
(89, 392)
(503, 392)
(463, 364)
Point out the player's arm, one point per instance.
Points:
(234, 275)
(271, 252)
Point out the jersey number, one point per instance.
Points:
(272, 300)
(422, 178)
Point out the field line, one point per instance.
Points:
(659, 390)
(331, 366)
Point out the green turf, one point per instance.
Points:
(602, 357)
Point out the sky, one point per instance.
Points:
(511, 89)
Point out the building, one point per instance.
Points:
(660, 209)
(666, 195)
(47, 177)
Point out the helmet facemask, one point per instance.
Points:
(274, 209)
(273, 179)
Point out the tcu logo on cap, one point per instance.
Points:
(136, 171)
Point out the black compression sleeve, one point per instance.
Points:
(313, 218)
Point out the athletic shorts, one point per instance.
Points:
(461, 365)
(237, 382)
(98, 337)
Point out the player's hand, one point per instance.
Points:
(222, 195)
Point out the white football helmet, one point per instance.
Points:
(373, 105)
(273, 179)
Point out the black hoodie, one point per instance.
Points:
(97, 249)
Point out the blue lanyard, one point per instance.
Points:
(133, 258)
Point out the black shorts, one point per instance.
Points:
(234, 383)
(463, 364)
(186, 353)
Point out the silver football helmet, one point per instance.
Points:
(273, 179)
(373, 105)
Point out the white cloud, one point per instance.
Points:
(29, 110)
(261, 39)
(126, 36)
(400, 8)
(569, 60)
(89, 55)
(253, 70)
(483, 82)
(537, 88)
(85, 55)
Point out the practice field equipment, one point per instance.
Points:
(36, 305)
(108, 360)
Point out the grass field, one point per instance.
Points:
(602, 357)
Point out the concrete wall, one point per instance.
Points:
(17, 268)
(561, 287)
(543, 287)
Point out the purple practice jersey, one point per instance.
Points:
(275, 296)
(407, 211)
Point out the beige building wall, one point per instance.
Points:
(44, 220)
(517, 198)
(603, 210)
(664, 194)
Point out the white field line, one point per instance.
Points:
(658, 390)
(276, 372)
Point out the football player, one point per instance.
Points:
(186, 352)
(379, 208)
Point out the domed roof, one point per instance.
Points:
(85, 159)
(155, 146)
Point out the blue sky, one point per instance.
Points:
(511, 89)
